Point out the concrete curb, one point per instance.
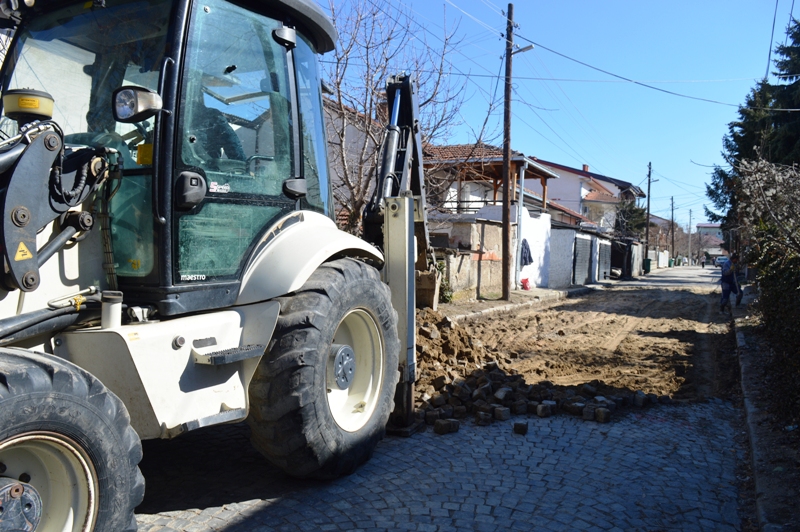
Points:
(556, 295)
(752, 416)
(551, 295)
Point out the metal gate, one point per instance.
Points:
(604, 261)
(583, 261)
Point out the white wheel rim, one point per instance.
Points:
(61, 472)
(353, 407)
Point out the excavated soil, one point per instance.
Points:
(658, 341)
(613, 349)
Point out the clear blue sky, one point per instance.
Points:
(711, 49)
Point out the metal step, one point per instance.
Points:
(228, 356)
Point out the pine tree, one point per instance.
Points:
(784, 146)
(747, 138)
(630, 220)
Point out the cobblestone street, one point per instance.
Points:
(666, 467)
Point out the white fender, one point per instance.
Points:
(292, 250)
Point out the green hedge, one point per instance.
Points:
(779, 291)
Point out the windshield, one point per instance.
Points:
(241, 90)
(80, 54)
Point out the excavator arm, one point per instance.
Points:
(395, 220)
(401, 173)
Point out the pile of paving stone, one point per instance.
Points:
(458, 379)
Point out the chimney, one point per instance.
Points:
(585, 167)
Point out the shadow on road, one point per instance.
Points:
(209, 468)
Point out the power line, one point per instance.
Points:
(477, 20)
(490, 99)
(587, 65)
(591, 135)
(576, 80)
(567, 144)
(791, 17)
(771, 39)
(679, 183)
(493, 6)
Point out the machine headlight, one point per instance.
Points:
(134, 104)
(125, 104)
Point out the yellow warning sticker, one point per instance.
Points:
(29, 103)
(23, 253)
(144, 154)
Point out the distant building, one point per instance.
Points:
(710, 239)
(591, 194)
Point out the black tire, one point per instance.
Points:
(55, 413)
(299, 421)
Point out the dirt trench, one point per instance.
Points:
(659, 341)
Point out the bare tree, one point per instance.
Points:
(768, 196)
(377, 41)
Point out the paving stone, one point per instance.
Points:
(521, 427)
(502, 413)
(639, 399)
(431, 416)
(650, 469)
(602, 415)
(483, 419)
(574, 408)
(438, 400)
(544, 410)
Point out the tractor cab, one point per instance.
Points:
(214, 111)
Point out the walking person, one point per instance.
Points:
(728, 282)
(703, 261)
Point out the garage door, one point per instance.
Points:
(583, 261)
(604, 266)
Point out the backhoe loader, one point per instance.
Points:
(170, 257)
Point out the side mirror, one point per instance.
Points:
(134, 104)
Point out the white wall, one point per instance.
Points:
(565, 191)
(473, 196)
(536, 230)
(637, 264)
(663, 259)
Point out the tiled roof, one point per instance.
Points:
(465, 152)
(624, 185)
(600, 188)
(484, 154)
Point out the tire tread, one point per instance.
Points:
(27, 372)
(286, 425)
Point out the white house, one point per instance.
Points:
(591, 194)
(710, 239)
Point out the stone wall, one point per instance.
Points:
(479, 271)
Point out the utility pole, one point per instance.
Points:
(672, 226)
(507, 159)
(690, 237)
(647, 227)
